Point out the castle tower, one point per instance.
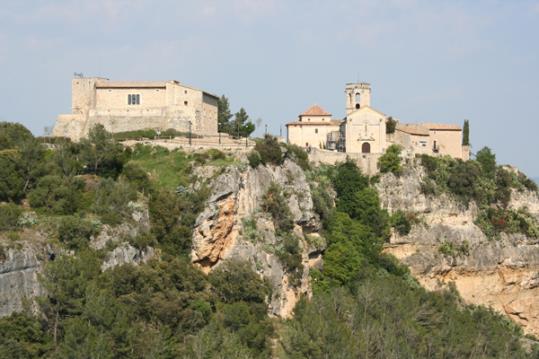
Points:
(357, 96)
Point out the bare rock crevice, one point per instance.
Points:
(222, 233)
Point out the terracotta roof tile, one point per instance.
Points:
(315, 110)
(413, 129)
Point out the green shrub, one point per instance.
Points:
(454, 250)
(215, 154)
(9, 216)
(399, 220)
(289, 255)
(75, 232)
(274, 203)
(390, 161)
(236, 281)
(112, 201)
(254, 159)
(269, 150)
(494, 221)
(57, 195)
(298, 155)
(137, 177)
(13, 134)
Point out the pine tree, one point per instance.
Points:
(243, 126)
(223, 115)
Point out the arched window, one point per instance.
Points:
(366, 147)
(358, 99)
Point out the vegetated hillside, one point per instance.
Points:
(102, 236)
(476, 226)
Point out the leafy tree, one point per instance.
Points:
(466, 133)
(101, 153)
(11, 177)
(224, 115)
(349, 179)
(242, 125)
(390, 161)
(23, 336)
(13, 134)
(487, 160)
(391, 125)
(463, 178)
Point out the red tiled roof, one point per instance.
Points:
(315, 110)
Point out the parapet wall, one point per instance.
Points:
(367, 162)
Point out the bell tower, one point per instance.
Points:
(358, 95)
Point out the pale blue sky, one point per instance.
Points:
(426, 60)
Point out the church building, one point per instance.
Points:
(366, 130)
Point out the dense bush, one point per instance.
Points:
(9, 216)
(112, 201)
(137, 177)
(75, 232)
(390, 161)
(298, 155)
(269, 150)
(274, 203)
(12, 135)
(494, 221)
(254, 159)
(400, 221)
(57, 195)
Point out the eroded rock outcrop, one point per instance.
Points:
(233, 227)
(501, 273)
(20, 266)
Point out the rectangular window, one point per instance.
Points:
(185, 103)
(133, 99)
(315, 130)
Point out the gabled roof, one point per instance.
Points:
(315, 110)
(367, 107)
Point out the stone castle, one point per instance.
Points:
(364, 130)
(132, 105)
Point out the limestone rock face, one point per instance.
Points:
(19, 269)
(232, 227)
(127, 254)
(502, 274)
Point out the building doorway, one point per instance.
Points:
(366, 147)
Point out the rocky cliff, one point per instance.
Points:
(502, 273)
(233, 227)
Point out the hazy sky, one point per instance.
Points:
(426, 60)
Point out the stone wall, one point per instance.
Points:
(368, 162)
